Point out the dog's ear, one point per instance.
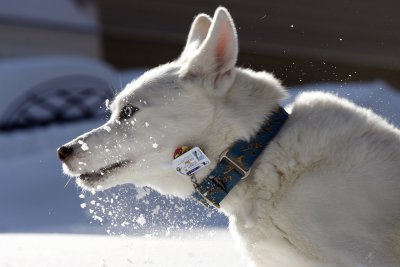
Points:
(212, 63)
(198, 32)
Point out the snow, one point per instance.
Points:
(84, 146)
(38, 250)
(141, 220)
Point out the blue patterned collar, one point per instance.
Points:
(235, 163)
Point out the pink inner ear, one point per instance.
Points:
(222, 45)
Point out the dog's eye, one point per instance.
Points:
(128, 111)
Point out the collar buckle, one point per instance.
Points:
(206, 202)
(234, 164)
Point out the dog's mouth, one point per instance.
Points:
(103, 172)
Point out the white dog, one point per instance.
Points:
(324, 192)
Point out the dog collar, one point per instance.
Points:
(235, 162)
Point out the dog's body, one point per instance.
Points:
(325, 188)
(326, 192)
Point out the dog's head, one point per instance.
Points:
(194, 100)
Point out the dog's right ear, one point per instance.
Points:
(198, 32)
(211, 65)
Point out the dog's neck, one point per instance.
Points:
(237, 161)
(251, 99)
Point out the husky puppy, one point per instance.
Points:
(325, 191)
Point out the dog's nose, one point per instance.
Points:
(64, 151)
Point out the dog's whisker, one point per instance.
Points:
(69, 180)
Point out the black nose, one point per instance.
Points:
(64, 151)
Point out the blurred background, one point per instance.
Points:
(61, 59)
(300, 41)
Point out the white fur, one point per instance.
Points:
(326, 192)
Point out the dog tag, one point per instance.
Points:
(190, 162)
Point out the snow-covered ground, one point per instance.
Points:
(36, 200)
(40, 250)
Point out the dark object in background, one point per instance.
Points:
(299, 41)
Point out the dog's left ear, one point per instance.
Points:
(211, 65)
